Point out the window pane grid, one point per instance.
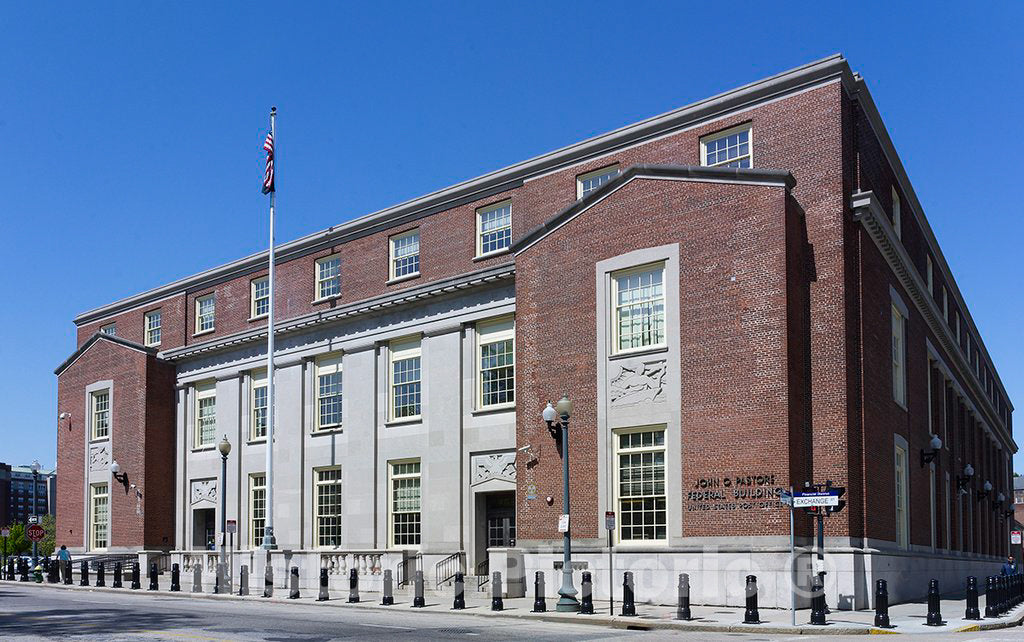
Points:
(405, 252)
(260, 297)
(329, 399)
(732, 150)
(328, 507)
(257, 508)
(205, 314)
(259, 412)
(153, 321)
(100, 415)
(405, 386)
(497, 372)
(100, 516)
(642, 500)
(405, 504)
(495, 229)
(640, 309)
(206, 420)
(589, 183)
(328, 278)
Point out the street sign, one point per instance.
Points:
(785, 497)
(35, 532)
(609, 520)
(6, 532)
(806, 500)
(1015, 537)
(563, 523)
(33, 519)
(231, 526)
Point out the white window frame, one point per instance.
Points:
(897, 217)
(257, 381)
(328, 365)
(608, 171)
(94, 415)
(618, 498)
(332, 282)
(318, 516)
(488, 333)
(99, 492)
(393, 258)
(480, 214)
(254, 299)
(212, 298)
(257, 537)
(403, 350)
(901, 492)
(899, 356)
(151, 329)
(710, 138)
(110, 329)
(614, 299)
(394, 477)
(204, 391)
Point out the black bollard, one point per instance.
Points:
(991, 597)
(497, 604)
(1004, 593)
(817, 601)
(628, 606)
(972, 612)
(459, 602)
(100, 579)
(750, 615)
(683, 601)
(417, 584)
(175, 578)
(293, 594)
(323, 595)
(540, 605)
(135, 576)
(587, 591)
(24, 571)
(388, 599)
(84, 580)
(934, 616)
(882, 604)
(10, 568)
(153, 583)
(243, 580)
(117, 575)
(353, 586)
(68, 570)
(268, 578)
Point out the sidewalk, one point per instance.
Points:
(905, 618)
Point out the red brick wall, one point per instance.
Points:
(131, 324)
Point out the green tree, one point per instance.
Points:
(46, 546)
(16, 543)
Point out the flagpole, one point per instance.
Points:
(268, 531)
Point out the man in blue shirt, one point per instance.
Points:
(1010, 567)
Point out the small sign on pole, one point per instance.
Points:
(1015, 537)
(33, 519)
(231, 526)
(563, 523)
(5, 532)
(609, 520)
(806, 500)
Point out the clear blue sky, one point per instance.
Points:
(131, 132)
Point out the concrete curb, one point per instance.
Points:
(613, 622)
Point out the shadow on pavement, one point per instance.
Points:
(66, 622)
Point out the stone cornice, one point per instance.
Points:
(870, 214)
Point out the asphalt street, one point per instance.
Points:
(34, 612)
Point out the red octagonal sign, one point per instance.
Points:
(35, 532)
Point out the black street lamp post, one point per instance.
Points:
(567, 602)
(35, 508)
(225, 448)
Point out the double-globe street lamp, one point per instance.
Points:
(563, 409)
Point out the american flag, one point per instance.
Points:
(268, 176)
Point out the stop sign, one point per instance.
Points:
(35, 532)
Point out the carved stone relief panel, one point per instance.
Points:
(493, 466)
(204, 490)
(637, 381)
(99, 456)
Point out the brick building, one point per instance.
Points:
(739, 295)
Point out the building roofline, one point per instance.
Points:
(99, 336)
(506, 178)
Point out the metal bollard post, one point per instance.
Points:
(218, 579)
(268, 578)
(628, 606)
(497, 604)
(68, 571)
(587, 591)
(323, 595)
(683, 602)
(197, 579)
(460, 592)
(417, 601)
(388, 599)
(175, 578)
(153, 582)
(882, 604)
(135, 576)
(293, 594)
(353, 586)
(84, 581)
(750, 615)
(55, 572)
(243, 580)
(100, 579)
(117, 575)
(934, 616)
(990, 597)
(972, 612)
(817, 601)
(540, 605)
(1004, 593)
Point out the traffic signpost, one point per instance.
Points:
(609, 525)
(1015, 537)
(35, 532)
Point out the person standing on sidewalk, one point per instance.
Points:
(64, 555)
(1010, 567)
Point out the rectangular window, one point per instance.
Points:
(153, 321)
(206, 415)
(641, 485)
(496, 359)
(257, 508)
(328, 277)
(110, 329)
(731, 148)
(945, 305)
(260, 297)
(205, 308)
(930, 274)
(100, 517)
(258, 403)
(405, 254)
(404, 372)
(328, 507)
(899, 375)
(405, 503)
(328, 392)
(493, 228)
(587, 183)
(897, 220)
(902, 517)
(639, 314)
(101, 414)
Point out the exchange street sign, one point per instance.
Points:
(807, 500)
